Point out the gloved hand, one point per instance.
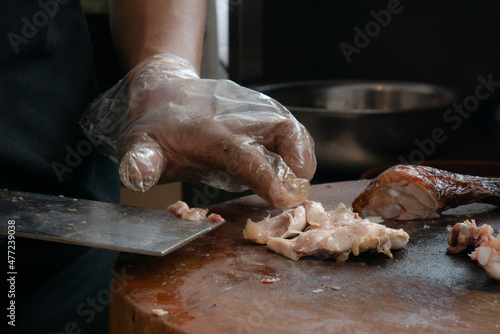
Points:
(163, 123)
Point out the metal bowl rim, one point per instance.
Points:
(450, 95)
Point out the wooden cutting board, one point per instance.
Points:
(213, 285)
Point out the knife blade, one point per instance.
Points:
(97, 224)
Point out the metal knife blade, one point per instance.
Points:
(97, 224)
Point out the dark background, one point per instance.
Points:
(449, 43)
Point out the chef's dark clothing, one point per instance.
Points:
(46, 80)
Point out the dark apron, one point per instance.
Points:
(46, 80)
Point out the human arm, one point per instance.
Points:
(143, 28)
(167, 124)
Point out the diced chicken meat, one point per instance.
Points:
(216, 218)
(486, 252)
(316, 214)
(283, 247)
(488, 256)
(467, 235)
(182, 210)
(336, 233)
(288, 224)
(357, 237)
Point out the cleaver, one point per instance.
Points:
(96, 224)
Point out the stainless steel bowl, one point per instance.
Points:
(359, 125)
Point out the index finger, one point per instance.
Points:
(264, 172)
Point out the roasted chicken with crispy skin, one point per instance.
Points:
(407, 192)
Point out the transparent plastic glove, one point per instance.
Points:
(163, 124)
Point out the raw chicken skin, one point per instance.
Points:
(406, 192)
(336, 233)
(468, 235)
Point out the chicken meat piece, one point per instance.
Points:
(346, 232)
(316, 214)
(182, 210)
(288, 224)
(406, 192)
(335, 233)
(468, 235)
(357, 237)
(488, 256)
(283, 247)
